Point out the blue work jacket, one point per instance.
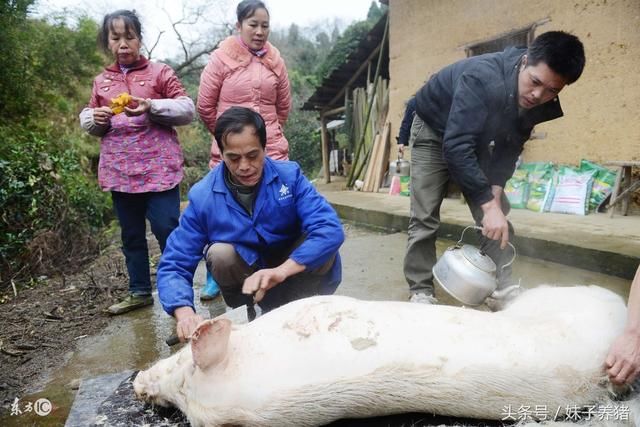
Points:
(286, 207)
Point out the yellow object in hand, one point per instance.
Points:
(118, 103)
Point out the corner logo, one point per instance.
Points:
(284, 193)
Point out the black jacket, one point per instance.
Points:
(407, 120)
(473, 102)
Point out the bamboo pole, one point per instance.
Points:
(325, 148)
(351, 178)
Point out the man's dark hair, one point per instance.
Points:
(131, 25)
(247, 8)
(562, 52)
(234, 120)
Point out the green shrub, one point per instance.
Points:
(52, 209)
(195, 140)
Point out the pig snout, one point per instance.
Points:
(140, 386)
(147, 387)
(162, 383)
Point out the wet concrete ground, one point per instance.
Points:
(372, 270)
(594, 242)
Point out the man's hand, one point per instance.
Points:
(623, 361)
(494, 223)
(262, 280)
(187, 321)
(102, 115)
(496, 190)
(144, 105)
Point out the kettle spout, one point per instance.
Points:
(500, 298)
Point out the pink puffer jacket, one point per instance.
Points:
(235, 77)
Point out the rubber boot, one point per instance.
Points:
(210, 289)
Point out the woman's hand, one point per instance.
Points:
(143, 106)
(102, 116)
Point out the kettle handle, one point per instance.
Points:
(475, 227)
(400, 156)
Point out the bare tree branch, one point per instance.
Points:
(193, 58)
(174, 25)
(198, 34)
(150, 51)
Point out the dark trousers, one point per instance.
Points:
(230, 270)
(429, 180)
(162, 209)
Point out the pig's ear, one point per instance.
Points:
(209, 342)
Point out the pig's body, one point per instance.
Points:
(325, 358)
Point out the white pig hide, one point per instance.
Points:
(324, 358)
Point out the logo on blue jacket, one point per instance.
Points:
(284, 192)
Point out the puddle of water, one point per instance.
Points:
(130, 342)
(372, 269)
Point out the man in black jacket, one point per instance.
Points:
(472, 120)
(405, 125)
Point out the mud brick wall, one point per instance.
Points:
(601, 109)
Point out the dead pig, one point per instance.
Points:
(324, 358)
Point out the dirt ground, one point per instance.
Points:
(43, 323)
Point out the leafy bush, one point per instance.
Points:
(52, 207)
(304, 141)
(49, 62)
(52, 210)
(195, 140)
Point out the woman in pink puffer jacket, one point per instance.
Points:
(246, 70)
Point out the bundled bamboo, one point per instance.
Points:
(378, 162)
(377, 97)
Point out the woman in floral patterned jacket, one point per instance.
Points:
(140, 155)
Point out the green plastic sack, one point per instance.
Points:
(603, 182)
(517, 189)
(540, 185)
(537, 167)
(405, 188)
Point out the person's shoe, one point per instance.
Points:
(210, 290)
(131, 302)
(422, 298)
(500, 298)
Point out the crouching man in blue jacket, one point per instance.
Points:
(270, 237)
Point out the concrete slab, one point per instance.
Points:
(593, 242)
(92, 392)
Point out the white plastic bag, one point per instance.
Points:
(572, 191)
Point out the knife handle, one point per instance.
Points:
(172, 340)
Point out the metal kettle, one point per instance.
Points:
(466, 273)
(400, 167)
